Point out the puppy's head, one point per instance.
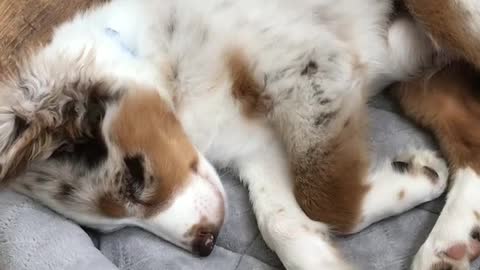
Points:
(107, 153)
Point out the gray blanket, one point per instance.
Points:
(33, 237)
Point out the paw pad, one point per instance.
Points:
(457, 252)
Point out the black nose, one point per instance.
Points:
(204, 243)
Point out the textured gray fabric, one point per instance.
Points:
(32, 237)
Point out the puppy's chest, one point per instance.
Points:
(220, 131)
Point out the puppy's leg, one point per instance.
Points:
(334, 184)
(446, 102)
(301, 244)
(322, 121)
(319, 111)
(454, 24)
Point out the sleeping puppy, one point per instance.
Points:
(117, 121)
(445, 100)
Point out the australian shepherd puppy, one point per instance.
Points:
(116, 121)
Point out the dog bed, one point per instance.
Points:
(33, 237)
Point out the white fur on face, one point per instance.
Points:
(196, 211)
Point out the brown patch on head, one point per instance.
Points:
(448, 104)
(245, 88)
(145, 125)
(401, 194)
(111, 207)
(450, 24)
(329, 179)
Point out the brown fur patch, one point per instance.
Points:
(110, 207)
(401, 195)
(329, 179)
(146, 125)
(477, 215)
(448, 104)
(448, 23)
(245, 88)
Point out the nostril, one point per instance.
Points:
(204, 243)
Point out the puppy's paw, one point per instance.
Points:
(425, 165)
(437, 254)
(431, 258)
(302, 244)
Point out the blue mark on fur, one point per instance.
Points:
(115, 35)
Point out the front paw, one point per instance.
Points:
(445, 254)
(302, 244)
(431, 258)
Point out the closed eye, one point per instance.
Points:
(135, 167)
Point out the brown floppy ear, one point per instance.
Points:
(29, 128)
(25, 140)
(33, 123)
